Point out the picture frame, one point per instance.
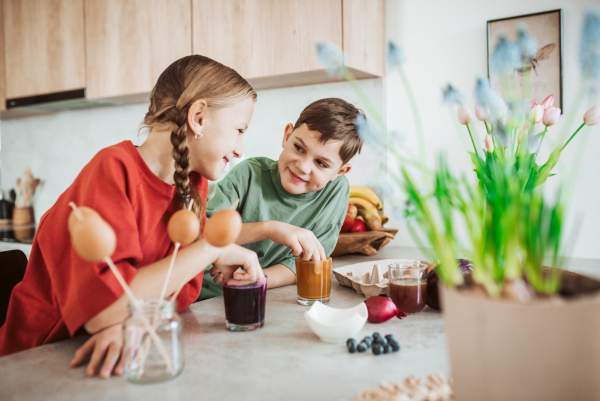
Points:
(546, 66)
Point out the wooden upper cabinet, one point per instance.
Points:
(129, 43)
(2, 65)
(44, 46)
(364, 36)
(269, 42)
(272, 43)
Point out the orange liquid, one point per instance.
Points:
(313, 278)
(409, 295)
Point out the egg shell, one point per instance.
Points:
(223, 228)
(93, 238)
(85, 211)
(183, 227)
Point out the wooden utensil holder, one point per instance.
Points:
(22, 216)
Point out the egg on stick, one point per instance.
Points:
(223, 228)
(94, 240)
(183, 229)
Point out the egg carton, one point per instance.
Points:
(367, 278)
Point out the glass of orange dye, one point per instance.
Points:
(408, 286)
(313, 280)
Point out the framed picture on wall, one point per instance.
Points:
(545, 67)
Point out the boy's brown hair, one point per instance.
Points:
(334, 120)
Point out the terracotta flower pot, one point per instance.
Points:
(22, 216)
(543, 350)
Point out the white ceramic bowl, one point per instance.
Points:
(334, 325)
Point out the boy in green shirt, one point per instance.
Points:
(294, 206)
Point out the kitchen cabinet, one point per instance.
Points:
(2, 63)
(130, 42)
(116, 49)
(364, 36)
(43, 47)
(272, 43)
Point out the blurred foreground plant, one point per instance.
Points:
(511, 226)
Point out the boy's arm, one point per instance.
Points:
(302, 242)
(279, 275)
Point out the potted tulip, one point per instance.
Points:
(517, 330)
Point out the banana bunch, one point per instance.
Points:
(369, 207)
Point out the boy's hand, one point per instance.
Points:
(231, 258)
(302, 242)
(106, 344)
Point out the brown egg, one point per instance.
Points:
(223, 228)
(93, 238)
(183, 227)
(86, 211)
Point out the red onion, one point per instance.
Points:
(432, 283)
(382, 309)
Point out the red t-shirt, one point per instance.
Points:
(60, 291)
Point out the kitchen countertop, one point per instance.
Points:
(284, 360)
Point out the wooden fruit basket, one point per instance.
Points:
(368, 242)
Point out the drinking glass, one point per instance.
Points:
(313, 281)
(145, 361)
(245, 304)
(408, 286)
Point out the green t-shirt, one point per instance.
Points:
(257, 183)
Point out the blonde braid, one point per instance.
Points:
(181, 177)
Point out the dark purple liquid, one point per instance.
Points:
(246, 304)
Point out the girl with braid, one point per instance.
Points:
(199, 110)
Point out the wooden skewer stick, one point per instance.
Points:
(77, 212)
(235, 204)
(146, 348)
(132, 297)
(151, 331)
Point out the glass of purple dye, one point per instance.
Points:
(245, 304)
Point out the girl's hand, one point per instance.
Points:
(106, 344)
(230, 259)
(302, 242)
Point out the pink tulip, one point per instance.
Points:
(551, 116)
(535, 114)
(532, 104)
(481, 113)
(488, 144)
(464, 115)
(548, 102)
(592, 116)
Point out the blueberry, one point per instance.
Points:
(351, 341)
(389, 337)
(362, 347)
(368, 340)
(381, 341)
(376, 334)
(395, 345)
(377, 349)
(387, 349)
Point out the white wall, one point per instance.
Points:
(57, 147)
(445, 41)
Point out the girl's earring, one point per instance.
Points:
(198, 136)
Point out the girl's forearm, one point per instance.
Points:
(149, 280)
(279, 275)
(254, 232)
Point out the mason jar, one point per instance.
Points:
(153, 342)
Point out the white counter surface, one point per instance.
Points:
(282, 361)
